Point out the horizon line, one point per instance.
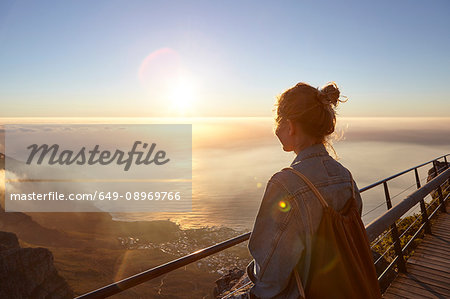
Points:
(189, 117)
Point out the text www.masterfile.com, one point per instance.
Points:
(98, 195)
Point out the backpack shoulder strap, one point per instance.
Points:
(301, 290)
(311, 185)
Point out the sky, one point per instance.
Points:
(220, 58)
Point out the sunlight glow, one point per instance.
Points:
(182, 95)
(165, 80)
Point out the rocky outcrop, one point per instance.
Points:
(32, 232)
(28, 272)
(233, 285)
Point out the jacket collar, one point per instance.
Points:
(314, 150)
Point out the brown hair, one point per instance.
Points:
(313, 108)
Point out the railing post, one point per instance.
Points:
(395, 238)
(423, 208)
(446, 166)
(439, 190)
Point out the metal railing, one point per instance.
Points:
(387, 221)
(378, 229)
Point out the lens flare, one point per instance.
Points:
(284, 206)
(159, 69)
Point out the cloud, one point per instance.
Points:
(245, 133)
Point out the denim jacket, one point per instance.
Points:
(289, 216)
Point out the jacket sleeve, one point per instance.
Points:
(358, 198)
(276, 242)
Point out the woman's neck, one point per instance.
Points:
(305, 144)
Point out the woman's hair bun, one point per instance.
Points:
(329, 94)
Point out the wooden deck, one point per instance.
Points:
(429, 268)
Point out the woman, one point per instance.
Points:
(296, 237)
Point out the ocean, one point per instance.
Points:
(233, 158)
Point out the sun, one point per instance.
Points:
(182, 95)
(164, 79)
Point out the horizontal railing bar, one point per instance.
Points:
(379, 225)
(398, 174)
(438, 206)
(405, 248)
(388, 268)
(384, 253)
(434, 212)
(380, 238)
(139, 278)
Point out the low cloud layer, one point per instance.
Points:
(226, 133)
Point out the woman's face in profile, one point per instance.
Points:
(282, 132)
(292, 136)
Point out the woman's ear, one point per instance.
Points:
(291, 127)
